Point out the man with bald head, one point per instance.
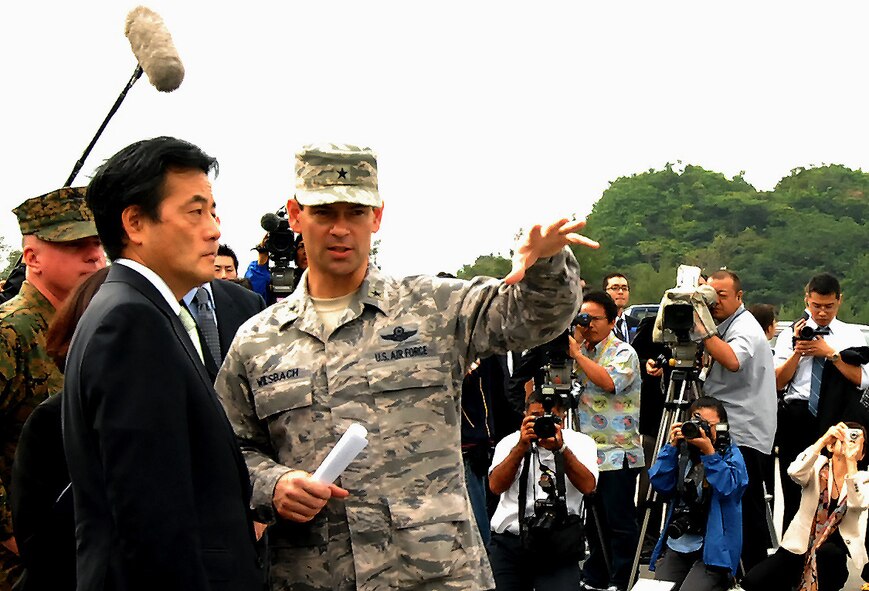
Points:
(60, 249)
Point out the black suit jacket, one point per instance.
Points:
(839, 397)
(42, 511)
(161, 491)
(234, 305)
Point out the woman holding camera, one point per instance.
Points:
(830, 525)
(704, 477)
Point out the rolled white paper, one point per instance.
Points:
(345, 451)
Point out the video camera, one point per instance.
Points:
(676, 320)
(555, 383)
(807, 333)
(280, 246)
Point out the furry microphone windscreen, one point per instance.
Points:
(152, 45)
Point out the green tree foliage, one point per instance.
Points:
(648, 224)
(490, 265)
(813, 221)
(8, 255)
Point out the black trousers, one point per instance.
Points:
(513, 571)
(614, 504)
(755, 531)
(690, 573)
(797, 430)
(782, 571)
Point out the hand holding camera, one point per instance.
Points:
(696, 432)
(545, 431)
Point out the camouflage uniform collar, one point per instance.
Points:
(372, 291)
(36, 300)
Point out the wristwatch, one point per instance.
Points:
(836, 356)
(561, 449)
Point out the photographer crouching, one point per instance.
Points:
(703, 475)
(541, 472)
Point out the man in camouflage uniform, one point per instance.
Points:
(353, 345)
(60, 248)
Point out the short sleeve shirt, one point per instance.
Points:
(612, 419)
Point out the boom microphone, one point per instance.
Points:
(152, 45)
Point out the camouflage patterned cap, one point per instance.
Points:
(332, 173)
(58, 216)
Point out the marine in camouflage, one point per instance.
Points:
(395, 364)
(27, 377)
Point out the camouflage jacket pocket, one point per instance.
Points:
(282, 397)
(428, 538)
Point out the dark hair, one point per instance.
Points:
(764, 314)
(606, 280)
(724, 274)
(62, 326)
(824, 284)
(536, 397)
(708, 402)
(136, 176)
(610, 308)
(225, 251)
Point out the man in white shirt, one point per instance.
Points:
(800, 364)
(512, 565)
(618, 288)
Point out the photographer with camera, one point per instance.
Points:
(609, 410)
(703, 475)
(528, 548)
(817, 362)
(741, 376)
(830, 526)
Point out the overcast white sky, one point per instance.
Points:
(487, 116)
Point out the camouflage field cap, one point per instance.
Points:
(331, 173)
(58, 216)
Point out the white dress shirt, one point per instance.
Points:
(842, 336)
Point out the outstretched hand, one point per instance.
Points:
(540, 243)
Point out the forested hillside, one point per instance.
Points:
(813, 221)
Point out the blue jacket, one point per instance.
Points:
(259, 277)
(727, 477)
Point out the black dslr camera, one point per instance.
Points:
(692, 507)
(692, 427)
(549, 511)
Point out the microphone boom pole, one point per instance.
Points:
(137, 73)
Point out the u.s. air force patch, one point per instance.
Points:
(400, 342)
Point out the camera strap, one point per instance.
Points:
(560, 486)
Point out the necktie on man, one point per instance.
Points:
(205, 317)
(622, 329)
(190, 326)
(815, 387)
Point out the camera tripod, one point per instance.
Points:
(683, 389)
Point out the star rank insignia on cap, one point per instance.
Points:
(342, 174)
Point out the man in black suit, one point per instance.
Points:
(219, 308)
(161, 492)
(617, 287)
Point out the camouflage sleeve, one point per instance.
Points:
(234, 391)
(495, 318)
(8, 372)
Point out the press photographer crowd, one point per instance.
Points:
(163, 418)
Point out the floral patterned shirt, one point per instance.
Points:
(612, 419)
